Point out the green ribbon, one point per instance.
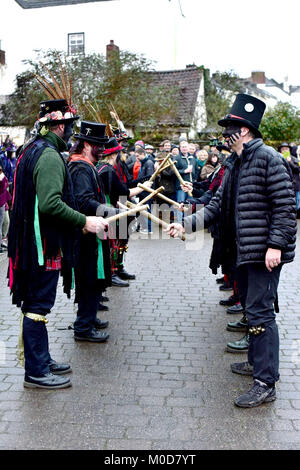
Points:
(37, 232)
(100, 263)
(72, 284)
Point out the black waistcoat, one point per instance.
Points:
(56, 235)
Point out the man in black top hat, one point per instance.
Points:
(256, 204)
(42, 238)
(92, 275)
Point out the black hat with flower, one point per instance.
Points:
(59, 108)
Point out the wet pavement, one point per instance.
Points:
(163, 380)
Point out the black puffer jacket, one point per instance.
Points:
(265, 206)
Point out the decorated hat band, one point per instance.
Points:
(57, 116)
(112, 150)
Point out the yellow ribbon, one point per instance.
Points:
(35, 317)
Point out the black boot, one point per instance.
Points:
(123, 274)
(100, 324)
(102, 307)
(237, 308)
(58, 368)
(232, 300)
(239, 346)
(48, 381)
(226, 286)
(240, 325)
(118, 282)
(93, 336)
(242, 368)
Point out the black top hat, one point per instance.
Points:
(246, 111)
(112, 146)
(92, 132)
(56, 112)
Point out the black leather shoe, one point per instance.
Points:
(225, 287)
(232, 300)
(123, 274)
(48, 381)
(100, 324)
(258, 394)
(59, 369)
(118, 282)
(239, 346)
(220, 280)
(93, 337)
(240, 325)
(102, 308)
(242, 368)
(237, 308)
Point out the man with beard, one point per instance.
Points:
(93, 274)
(42, 238)
(257, 204)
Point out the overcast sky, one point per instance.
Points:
(222, 35)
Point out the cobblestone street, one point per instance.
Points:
(163, 379)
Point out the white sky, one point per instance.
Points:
(222, 35)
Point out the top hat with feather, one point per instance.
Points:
(59, 108)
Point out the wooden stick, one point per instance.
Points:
(151, 217)
(150, 196)
(161, 196)
(181, 180)
(166, 166)
(121, 215)
(160, 166)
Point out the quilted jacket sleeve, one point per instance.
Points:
(205, 216)
(281, 195)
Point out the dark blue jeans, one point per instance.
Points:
(257, 292)
(35, 336)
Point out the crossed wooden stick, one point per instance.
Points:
(166, 163)
(152, 217)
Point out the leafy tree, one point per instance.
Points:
(281, 123)
(123, 80)
(219, 91)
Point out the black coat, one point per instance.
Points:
(90, 199)
(294, 165)
(262, 212)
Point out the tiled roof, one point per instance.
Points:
(186, 83)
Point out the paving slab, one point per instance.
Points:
(163, 380)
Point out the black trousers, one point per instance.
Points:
(257, 291)
(88, 301)
(35, 335)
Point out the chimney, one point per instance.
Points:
(111, 49)
(259, 78)
(2, 56)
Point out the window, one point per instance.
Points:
(75, 43)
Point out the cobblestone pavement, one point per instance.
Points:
(163, 380)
